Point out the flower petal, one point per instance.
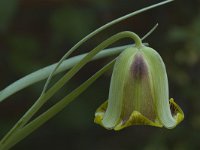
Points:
(177, 112)
(113, 112)
(160, 88)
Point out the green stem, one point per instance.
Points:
(59, 84)
(51, 112)
(150, 32)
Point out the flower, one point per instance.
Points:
(138, 93)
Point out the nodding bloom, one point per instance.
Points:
(138, 93)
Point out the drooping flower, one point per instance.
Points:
(139, 93)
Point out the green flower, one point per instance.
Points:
(139, 93)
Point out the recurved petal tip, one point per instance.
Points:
(176, 111)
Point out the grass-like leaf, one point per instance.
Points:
(51, 112)
(43, 73)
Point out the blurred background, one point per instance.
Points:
(37, 33)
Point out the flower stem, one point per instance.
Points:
(59, 84)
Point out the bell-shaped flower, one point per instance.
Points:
(139, 93)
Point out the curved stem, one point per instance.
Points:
(87, 58)
(60, 83)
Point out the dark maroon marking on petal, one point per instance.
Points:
(138, 67)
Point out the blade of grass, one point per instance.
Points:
(43, 73)
(51, 112)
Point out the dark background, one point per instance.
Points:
(36, 33)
